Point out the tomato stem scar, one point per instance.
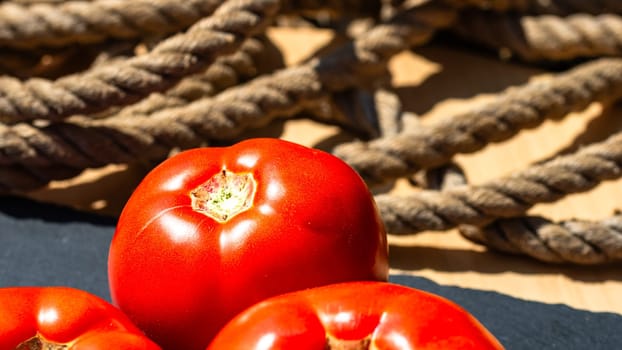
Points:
(38, 343)
(333, 343)
(224, 195)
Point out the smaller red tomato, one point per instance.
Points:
(355, 315)
(60, 318)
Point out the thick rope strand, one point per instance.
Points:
(569, 241)
(17, 178)
(517, 108)
(28, 25)
(87, 22)
(509, 196)
(544, 38)
(225, 72)
(127, 81)
(28, 152)
(580, 242)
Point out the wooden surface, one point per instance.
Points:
(437, 81)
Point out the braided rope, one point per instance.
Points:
(78, 144)
(225, 72)
(81, 143)
(124, 82)
(545, 37)
(570, 241)
(87, 143)
(29, 24)
(517, 108)
(45, 24)
(63, 144)
(509, 196)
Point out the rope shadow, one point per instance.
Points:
(413, 258)
(597, 129)
(453, 81)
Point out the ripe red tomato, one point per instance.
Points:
(61, 318)
(356, 316)
(211, 231)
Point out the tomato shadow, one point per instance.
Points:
(47, 244)
(102, 191)
(522, 324)
(30, 210)
(414, 258)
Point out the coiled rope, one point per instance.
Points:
(201, 77)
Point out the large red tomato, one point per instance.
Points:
(211, 231)
(355, 316)
(60, 318)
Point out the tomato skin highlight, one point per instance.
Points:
(180, 275)
(62, 315)
(376, 315)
